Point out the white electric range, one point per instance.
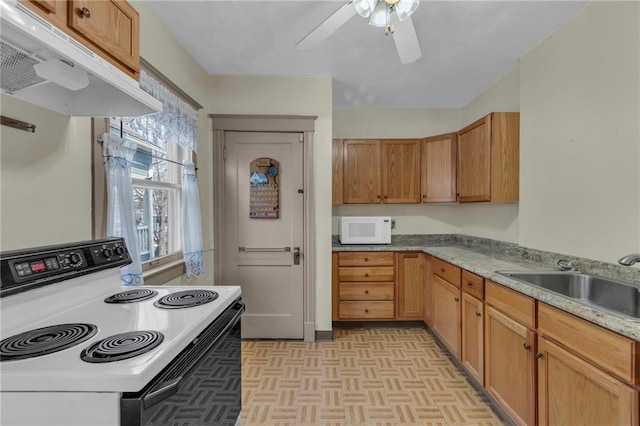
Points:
(80, 349)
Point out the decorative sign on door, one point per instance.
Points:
(264, 193)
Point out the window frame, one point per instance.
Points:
(155, 271)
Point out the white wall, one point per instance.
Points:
(292, 96)
(45, 178)
(580, 136)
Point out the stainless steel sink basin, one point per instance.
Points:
(609, 294)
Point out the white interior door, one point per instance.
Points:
(260, 254)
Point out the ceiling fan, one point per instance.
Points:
(393, 15)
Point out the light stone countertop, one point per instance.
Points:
(485, 265)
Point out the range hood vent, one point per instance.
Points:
(61, 63)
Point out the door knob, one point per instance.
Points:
(296, 255)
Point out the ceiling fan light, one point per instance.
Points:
(364, 7)
(405, 8)
(379, 15)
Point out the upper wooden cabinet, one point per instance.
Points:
(400, 171)
(439, 169)
(337, 176)
(361, 171)
(380, 171)
(488, 159)
(110, 28)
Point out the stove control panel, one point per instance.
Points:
(25, 269)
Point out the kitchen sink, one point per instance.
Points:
(612, 295)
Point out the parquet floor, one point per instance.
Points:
(383, 376)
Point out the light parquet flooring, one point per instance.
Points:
(365, 376)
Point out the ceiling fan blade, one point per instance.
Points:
(327, 27)
(406, 41)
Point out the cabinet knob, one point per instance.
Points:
(366, 259)
(469, 283)
(385, 197)
(526, 346)
(538, 355)
(366, 274)
(378, 197)
(424, 196)
(366, 292)
(366, 311)
(456, 298)
(478, 314)
(442, 270)
(85, 12)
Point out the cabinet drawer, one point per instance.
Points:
(446, 270)
(473, 284)
(610, 351)
(366, 310)
(375, 273)
(366, 258)
(366, 291)
(518, 306)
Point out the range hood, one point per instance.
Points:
(34, 54)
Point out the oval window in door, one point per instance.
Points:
(264, 191)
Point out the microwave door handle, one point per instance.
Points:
(166, 390)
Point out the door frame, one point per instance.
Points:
(305, 125)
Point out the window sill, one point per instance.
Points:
(161, 274)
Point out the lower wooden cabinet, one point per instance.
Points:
(446, 314)
(510, 365)
(572, 391)
(410, 283)
(428, 292)
(472, 338)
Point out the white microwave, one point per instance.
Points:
(365, 230)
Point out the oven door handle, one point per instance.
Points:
(168, 389)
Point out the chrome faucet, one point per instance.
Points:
(629, 259)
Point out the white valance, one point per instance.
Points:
(176, 123)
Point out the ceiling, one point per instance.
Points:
(466, 45)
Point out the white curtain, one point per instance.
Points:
(176, 123)
(191, 222)
(118, 154)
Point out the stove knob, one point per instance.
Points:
(119, 250)
(75, 259)
(107, 252)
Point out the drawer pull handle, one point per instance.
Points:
(85, 12)
(526, 346)
(456, 299)
(442, 270)
(538, 355)
(366, 292)
(478, 314)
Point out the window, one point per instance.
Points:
(162, 142)
(156, 184)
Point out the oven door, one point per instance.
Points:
(202, 386)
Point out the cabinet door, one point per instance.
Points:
(474, 162)
(471, 352)
(428, 291)
(54, 11)
(446, 314)
(401, 171)
(439, 169)
(410, 299)
(111, 25)
(337, 182)
(572, 391)
(509, 365)
(361, 171)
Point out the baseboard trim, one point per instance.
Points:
(324, 335)
(378, 324)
